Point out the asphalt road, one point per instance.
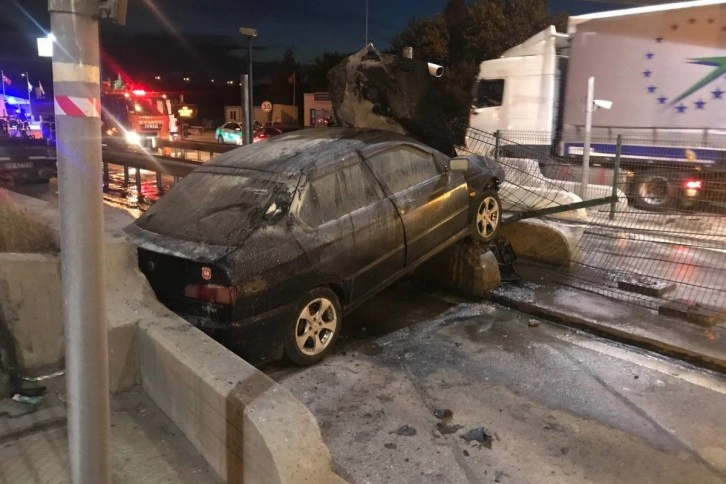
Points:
(529, 402)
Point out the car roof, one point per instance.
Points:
(298, 150)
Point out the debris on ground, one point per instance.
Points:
(389, 446)
(533, 323)
(443, 413)
(447, 429)
(479, 435)
(404, 430)
(27, 399)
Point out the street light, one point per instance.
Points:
(249, 33)
(592, 105)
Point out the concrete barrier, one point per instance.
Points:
(466, 267)
(249, 428)
(544, 241)
(31, 309)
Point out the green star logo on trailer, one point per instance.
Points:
(719, 63)
(706, 73)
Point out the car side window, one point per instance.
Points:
(403, 167)
(336, 194)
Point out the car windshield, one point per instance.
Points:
(218, 209)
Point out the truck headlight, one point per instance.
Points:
(133, 138)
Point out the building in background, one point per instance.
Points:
(318, 109)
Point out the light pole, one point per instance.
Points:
(366, 23)
(592, 105)
(249, 33)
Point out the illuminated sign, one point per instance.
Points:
(186, 112)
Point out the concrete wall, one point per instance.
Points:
(544, 241)
(31, 309)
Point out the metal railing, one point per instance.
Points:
(669, 251)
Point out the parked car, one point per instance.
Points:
(265, 132)
(268, 246)
(231, 132)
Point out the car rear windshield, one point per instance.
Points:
(218, 209)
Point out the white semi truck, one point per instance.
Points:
(662, 67)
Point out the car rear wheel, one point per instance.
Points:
(487, 217)
(316, 323)
(220, 139)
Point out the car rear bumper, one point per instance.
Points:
(257, 339)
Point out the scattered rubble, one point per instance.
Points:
(479, 435)
(405, 430)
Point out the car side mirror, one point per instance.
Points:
(460, 163)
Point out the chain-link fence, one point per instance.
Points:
(661, 242)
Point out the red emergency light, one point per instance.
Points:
(139, 92)
(694, 184)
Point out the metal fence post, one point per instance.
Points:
(497, 140)
(106, 178)
(126, 176)
(139, 196)
(77, 100)
(616, 174)
(159, 186)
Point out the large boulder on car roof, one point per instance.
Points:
(373, 90)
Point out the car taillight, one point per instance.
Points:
(694, 184)
(212, 293)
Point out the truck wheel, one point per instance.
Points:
(314, 327)
(655, 191)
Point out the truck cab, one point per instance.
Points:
(135, 118)
(520, 91)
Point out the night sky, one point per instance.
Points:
(201, 38)
(309, 27)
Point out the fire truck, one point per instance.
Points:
(135, 117)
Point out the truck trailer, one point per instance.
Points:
(660, 69)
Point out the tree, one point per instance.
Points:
(465, 34)
(317, 73)
(281, 89)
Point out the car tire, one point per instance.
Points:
(315, 324)
(220, 140)
(486, 220)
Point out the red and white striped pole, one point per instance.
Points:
(76, 86)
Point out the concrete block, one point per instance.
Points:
(248, 428)
(31, 306)
(466, 266)
(544, 241)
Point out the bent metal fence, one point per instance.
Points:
(661, 244)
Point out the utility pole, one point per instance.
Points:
(366, 24)
(588, 133)
(249, 33)
(77, 108)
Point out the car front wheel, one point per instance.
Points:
(316, 323)
(487, 217)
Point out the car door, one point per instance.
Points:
(354, 231)
(432, 203)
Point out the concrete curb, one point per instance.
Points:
(247, 427)
(599, 329)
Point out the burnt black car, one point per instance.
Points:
(269, 245)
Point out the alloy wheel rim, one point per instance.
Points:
(487, 217)
(316, 325)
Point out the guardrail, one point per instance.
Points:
(161, 165)
(180, 147)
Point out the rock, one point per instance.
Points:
(479, 435)
(369, 89)
(405, 430)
